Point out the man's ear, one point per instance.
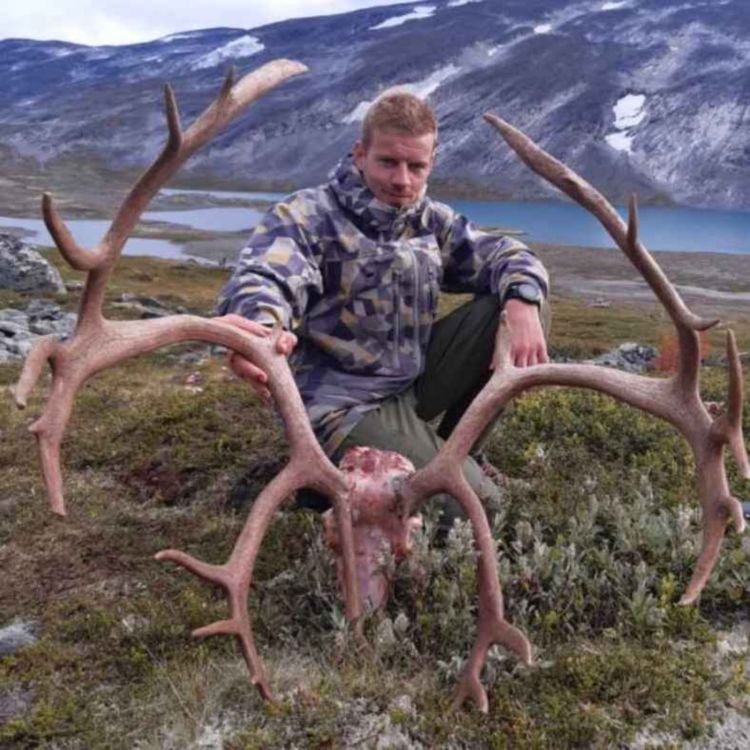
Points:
(358, 153)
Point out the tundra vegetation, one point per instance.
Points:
(596, 539)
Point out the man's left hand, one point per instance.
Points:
(527, 344)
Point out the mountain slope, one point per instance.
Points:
(645, 95)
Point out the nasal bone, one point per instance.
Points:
(401, 175)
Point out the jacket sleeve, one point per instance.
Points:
(477, 261)
(278, 271)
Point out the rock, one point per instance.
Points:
(11, 329)
(142, 299)
(40, 308)
(630, 357)
(142, 311)
(20, 328)
(144, 306)
(17, 635)
(14, 703)
(25, 270)
(19, 347)
(11, 314)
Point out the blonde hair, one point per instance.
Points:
(398, 110)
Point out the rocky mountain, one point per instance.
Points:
(645, 95)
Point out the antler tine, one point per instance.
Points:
(44, 348)
(631, 239)
(443, 474)
(49, 430)
(689, 344)
(232, 99)
(76, 256)
(308, 466)
(732, 420)
(174, 142)
(235, 576)
(226, 87)
(716, 515)
(583, 193)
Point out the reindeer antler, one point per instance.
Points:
(676, 400)
(99, 343)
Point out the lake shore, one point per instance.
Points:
(712, 284)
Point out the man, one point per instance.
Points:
(355, 266)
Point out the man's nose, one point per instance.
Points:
(401, 175)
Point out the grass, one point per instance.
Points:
(595, 541)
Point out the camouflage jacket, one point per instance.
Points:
(358, 282)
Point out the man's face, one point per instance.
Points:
(396, 166)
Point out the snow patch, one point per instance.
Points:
(79, 73)
(242, 47)
(418, 13)
(459, 3)
(620, 141)
(543, 28)
(181, 35)
(95, 54)
(358, 113)
(60, 52)
(422, 89)
(429, 85)
(614, 5)
(629, 112)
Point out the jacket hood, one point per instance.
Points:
(352, 194)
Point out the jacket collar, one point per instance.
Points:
(352, 193)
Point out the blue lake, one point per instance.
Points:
(88, 232)
(670, 229)
(673, 229)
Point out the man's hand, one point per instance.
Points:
(244, 368)
(527, 344)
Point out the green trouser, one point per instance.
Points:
(417, 421)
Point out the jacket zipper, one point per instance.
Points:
(417, 346)
(396, 317)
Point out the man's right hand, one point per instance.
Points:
(244, 368)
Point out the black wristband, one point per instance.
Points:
(524, 291)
